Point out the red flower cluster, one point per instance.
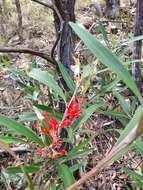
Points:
(51, 127)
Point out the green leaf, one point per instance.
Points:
(137, 38)
(47, 79)
(107, 58)
(112, 113)
(69, 82)
(79, 151)
(123, 103)
(28, 178)
(138, 184)
(20, 129)
(76, 167)
(134, 121)
(139, 145)
(49, 110)
(66, 175)
(135, 176)
(52, 186)
(104, 32)
(17, 169)
(29, 116)
(10, 140)
(87, 113)
(79, 154)
(26, 88)
(105, 89)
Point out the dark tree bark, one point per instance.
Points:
(64, 12)
(19, 13)
(112, 8)
(138, 30)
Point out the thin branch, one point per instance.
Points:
(50, 6)
(54, 47)
(26, 51)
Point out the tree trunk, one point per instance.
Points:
(112, 8)
(138, 30)
(64, 14)
(19, 13)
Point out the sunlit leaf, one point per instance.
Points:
(47, 79)
(107, 58)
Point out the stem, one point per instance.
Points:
(73, 96)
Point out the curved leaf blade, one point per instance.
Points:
(66, 175)
(88, 112)
(47, 79)
(10, 140)
(17, 169)
(70, 83)
(107, 58)
(20, 129)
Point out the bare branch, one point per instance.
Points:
(26, 51)
(50, 6)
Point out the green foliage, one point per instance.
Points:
(136, 177)
(17, 169)
(47, 79)
(70, 83)
(107, 58)
(20, 129)
(66, 175)
(61, 173)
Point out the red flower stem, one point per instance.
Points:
(73, 96)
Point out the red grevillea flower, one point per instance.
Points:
(53, 124)
(74, 110)
(51, 127)
(56, 154)
(66, 123)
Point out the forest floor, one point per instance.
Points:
(40, 37)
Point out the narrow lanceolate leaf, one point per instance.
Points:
(52, 186)
(69, 82)
(10, 140)
(29, 116)
(134, 175)
(123, 103)
(107, 58)
(132, 125)
(87, 113)
(17, 169)
(104, 32)
(47, 79)
(20, 129)
(66, 175)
